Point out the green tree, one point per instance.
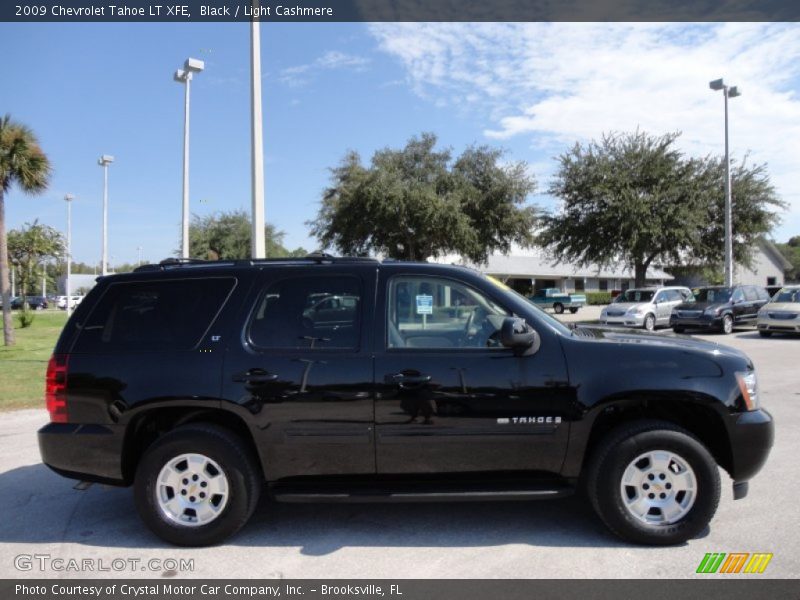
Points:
(226, 235)
(22, 162)
(635, 198)
(791, 250)
(29, 248)
(418, 202)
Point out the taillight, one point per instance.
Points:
(55, 392)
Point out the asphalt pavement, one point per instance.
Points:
(74, 531)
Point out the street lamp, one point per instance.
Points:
(258, 245)
(67, 288)
(104, 161)
(727, 92)
(191, 66)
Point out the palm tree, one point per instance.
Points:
(22, 162)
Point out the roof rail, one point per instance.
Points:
(316, 257)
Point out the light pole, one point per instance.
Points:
(258, 246)
(727, 92)
(67, 288)
(139, 250)
(104, 161)
(184, 76)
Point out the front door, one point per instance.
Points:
(450, 398)
(305, 373)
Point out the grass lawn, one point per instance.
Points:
(23, 366)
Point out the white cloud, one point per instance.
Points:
(332, 59)
(562, 82)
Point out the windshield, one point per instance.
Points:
(787, 295)
(539, 312)
(712, 295)
(636, 296)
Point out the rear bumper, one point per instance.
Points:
(751, 436)
(85, 452)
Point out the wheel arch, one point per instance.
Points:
(697, 415)
(147, 426)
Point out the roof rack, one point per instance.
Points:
(315, 257)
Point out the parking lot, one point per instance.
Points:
(43, 515)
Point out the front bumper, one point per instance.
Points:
(751, 436)
(779, 325)
(626, 320)
(85, 452)
(702, 322)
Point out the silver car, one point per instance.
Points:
(644, 307)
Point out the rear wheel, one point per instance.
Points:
(652, 482)
(558, 308)
(197, 485)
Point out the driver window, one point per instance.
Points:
(427, 312)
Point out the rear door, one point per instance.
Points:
(304, 372)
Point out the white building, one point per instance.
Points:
(767, 268)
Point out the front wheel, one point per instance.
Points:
(764, 333)
(727, 324)
(649, 322)
(654, 483)
(573, 310)
(197, 485)
(558, 308)
(678, 329)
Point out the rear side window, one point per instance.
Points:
(308, 312)
(153, 315)
(750, 293)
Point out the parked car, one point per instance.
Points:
(74, 301)
(558, 300)
(647, 308)
(719, 308)
(34, 302)
(782, 313)
(203, 387)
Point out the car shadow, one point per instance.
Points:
(42, 508)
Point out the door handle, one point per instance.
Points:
(408, 379)
(254, 376)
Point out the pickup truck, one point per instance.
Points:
(558, 300)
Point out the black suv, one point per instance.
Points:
(34, 302)
(345, 379)
(719, 308)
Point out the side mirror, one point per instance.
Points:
(516, 334)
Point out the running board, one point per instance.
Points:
(377, 495)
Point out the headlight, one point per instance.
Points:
(635, 311)
(713, 311)
(748, 385)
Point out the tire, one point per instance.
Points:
(615, 457)
(573, 310)
(558, 308)
(678, 329)
(649, 322)
(764, 333)
(225, 453)
(727, 325)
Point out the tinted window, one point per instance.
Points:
(426, 312)
(750, 293)
(713, 295)
(154, 315)
(636, 296)
(308, 312)
(762, 293)
(787, 295)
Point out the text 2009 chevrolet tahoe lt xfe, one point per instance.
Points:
(345, 379)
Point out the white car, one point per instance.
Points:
(61, 302)
(644, 307)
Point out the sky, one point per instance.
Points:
(533, 89)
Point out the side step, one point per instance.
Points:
(411, 494)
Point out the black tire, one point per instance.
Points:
(678, 329)
(237, 463)
(764, 333)
(615, 453)
(573, 310)
(726, 327)
(649, 323)
(558, 308)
